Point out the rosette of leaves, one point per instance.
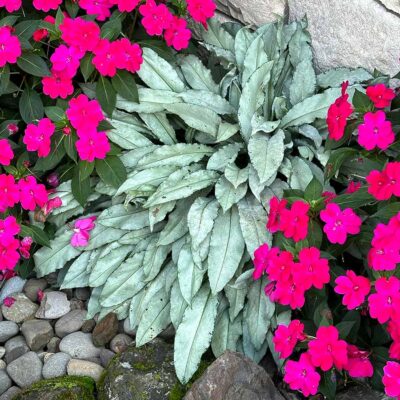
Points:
(205, 149)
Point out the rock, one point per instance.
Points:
(3, 364)
(105, 329)
(8, 329)
(56, 365)
(13, 285)
(88, 326)
(146, 372)
(120, 343)
(82, 293)
(54, 305)
(54, 345)
(5, 381)
(69, 323)
(22, 309)
(168, 334)
(15, 348)
(68, 388)
(25, 370)
(79, 345)
(32, 286)
(46, 356)
(105, 357)
(337, 44)
(360, 393)
(37, 333)
(127, 328)
(10, 393)
(77, 304)
(2, 351)
(235, 377)
(84, 368)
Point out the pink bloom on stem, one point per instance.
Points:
(328, 196)
(92, 145)
(9, 193)
(353, 187)
(338, 223)
(280, 266)
(201, 10)
(66, 60)
(82, 228)
(126, 5)
(80, 34)
(327, 350)
(9, 228)
(177, 35)
(294, 222)
(354, 288)
(376, 131)
(262, 258)
(276, 207)
(382, 185)
(38, 137)
(286, 337)
(289, 293)
(394, 331)
(301, 375)
(128, 55)
(8, 301)
(156, 18)
(51, 205)
(25, 247)
(32, 193)
(11, 5)
(358, 363)
(40, 34)
(84, 114)
(100, 8)
(9, 255)
(58, 84)
(105, 57)
(6, 152)
(391, 379)
(380, 95)
(10, 47)
(385, 303)
(12, 128)
(46, 5)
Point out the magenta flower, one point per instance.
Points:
(394, 331)
(354, 288)
(84, 114)
(177, 35)
(105, 57)
(46, 5)
(6, 152)
(353, 187)
(82, 228)
(100, 8)
(358, 363)
(66, 60)
(38, 137)
(9, 193)
(276, 208)
(391, 379)
(92, 145)
(58, 84)
(25, 247)
(380, 95)
(126, 5)
(280, 266)
(286, 338)
(80, 34)
(262, 258)
(9, 255)
(32, 193)
(376, 131)
(9, 228)
(294, 222)
(11, 5)
(8, 301)
(127, 55)
(289, 293)
(10, 47)
(156, 18)
(201, 10)
(383, 185)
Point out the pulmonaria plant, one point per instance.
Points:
(335, 261)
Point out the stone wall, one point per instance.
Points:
(348, 33)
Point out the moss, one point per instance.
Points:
(140, 366)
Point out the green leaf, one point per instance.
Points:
(30, 106)
(4, 78)
(328, 385)
(77, 276)
(87, 66)
(81, 188)
(111, 171)
(106, 95)
(313, 190)
(33, 64)
(125, 85)
(111, 29)
(336, 160)
(255, 57)
(344, 328)
(57, 153)
(315, 235)
(9, 20)
(56, 114)
(85, 169)
(226, 334)
(304, 82)
(38, 235)
(227, 195)
(25, 29)
(387, 212)
(160, 127)
(355, 200)
(335, 77)
(70, 148)
(361, 102)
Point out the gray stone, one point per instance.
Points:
(8, 329)
(235, 377)
(361, 393)
(37, 333)
(105, 357)
(82, 293)
(2, 351)
(77, 304)
(5, 381)
(69, 323)
(105, 329)
(79, 345)
(169, 333)
(146, 372)
(10, 393)
(56, 365)
(13, 285)
(32, 287)
(26, 369)
(54, 345)
(22, 309)
(127, 328)
(84, 368)
(54, 305)
(15, 348)
(3, 364)
(120, 343)
(88, 326)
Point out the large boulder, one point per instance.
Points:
(360, 393)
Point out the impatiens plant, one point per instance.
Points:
(205, 148)
(335, 253)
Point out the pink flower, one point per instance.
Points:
(276, 207)
(391, 379)
(353, 187)
(8, 301)
(301, 375)
(201, 10)
(11, 5)
(84, 114)
(46, 5)
(294, 222)
(328, 196)
(81, 34)
(262, 258)
(40, 34)
(66, 60)
(382, 185)
(38, 137)
(286, 338)
(177, 35)
(354, 288)
(6, 153)
(385, 303)
(9, 228)
(289, 293)
(327, 350)
(82, 228)
(32, 193)
(51, 205)
(126, 5)
(9, 193)
(12, 128)
(380, 95)
(40, 295)
(338, 223)
(10, 47)
(394, 330)
(92, 145)
(53, 180)
(156, 18)
(100, 8)
(280, 266)
(358, 363)
(25, 247)
(376, 131)
(338, 113)
(128, 55)
(9, 255)
(57, 85)
(105, 57)
(312, 270)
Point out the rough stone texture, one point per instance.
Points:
(127, 328)
(5, 381)
(69, 323)
(54, 305)
(82, 293)
(88, 325)
(56, 365)
(235, 377)
(68, 388)
(2, 351)
(361, 393)
(10, 393)
(79, 345)
(105, 357)
(37, 333)
(392, 5)
(146, 372)
(15, 347)
(54, 345)
(120, 343)
(25, 370)
(8, 329)
(13, 285)
(105, 329)
(32, 287)
(85, 368)
(22, 310)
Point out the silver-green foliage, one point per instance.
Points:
(204, 154)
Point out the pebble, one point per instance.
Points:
(15, 348)
(88, 326)
(8, 329)
(127, 328)
(11, 393)
(105, 329)
(54, 345)
(37, 333)
(13, 285)
(120, 343)
(56, 365)
(2, 351)
(3, 364)
(84, 368)
(5, 381)
(79, 345)
(54, 305)
(105, 357)
(69, 323)
(25, 370)
(32, 287)
(77, 304)
(46, 356)
(22, 310)
(82, 293)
